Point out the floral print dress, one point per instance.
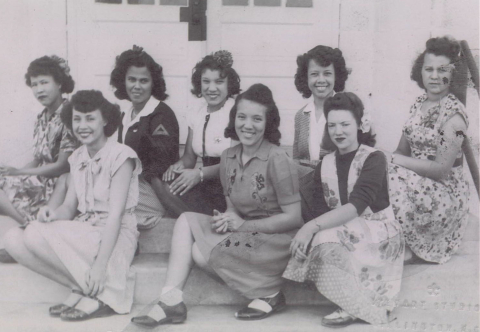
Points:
(29, 193)
(251, 262)
(433, 214)
(358, 265)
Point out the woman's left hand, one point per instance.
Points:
(8, 170)
(187, 179)
(95, 278)
(303, 238)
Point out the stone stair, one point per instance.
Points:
(431, 294)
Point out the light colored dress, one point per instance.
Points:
(358, 265)
(433, 214)
(29, 193)
(251, 262)
(77, 242)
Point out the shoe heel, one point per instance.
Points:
(179, 320)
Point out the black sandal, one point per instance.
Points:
(162, 314)
(57, 309)
(75, 315)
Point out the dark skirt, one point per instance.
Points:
(250, 263)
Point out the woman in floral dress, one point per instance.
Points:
(90, 252)
(23, 191)
(427, 189)
(353, 250)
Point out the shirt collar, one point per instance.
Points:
(310, 106)
(262, 153)
(148, 109)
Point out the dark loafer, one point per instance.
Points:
(262, 308)
(75, 315)
(162, 314)
(57, 309)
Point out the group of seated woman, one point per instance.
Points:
(340, 215)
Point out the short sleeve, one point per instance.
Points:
(283, 176)
(121, 156)
(68, 142)
(370, 182)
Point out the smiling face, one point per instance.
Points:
(214, 89)
(321, 80)
(250, 123)
(343, 129)
(46, 90)
(138, 83)
(436, 74)
(88, 127)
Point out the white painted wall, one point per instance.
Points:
(379, 38)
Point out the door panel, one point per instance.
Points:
(265, 42)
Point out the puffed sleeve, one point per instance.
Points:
(121, 155)
(68, 142)
(283, 176)
(370, 181)
(161, 143)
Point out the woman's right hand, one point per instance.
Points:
(171, 172)
(46, 214)
(219, 224)
(302, 239)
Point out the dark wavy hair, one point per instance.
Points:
(87, 101)
(139, 58)
(262, 95)
(347, 101)
(323, 56)
(438, 46)
(47, 65)
(209, 62)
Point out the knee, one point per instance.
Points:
(31, 238)
(13, 240)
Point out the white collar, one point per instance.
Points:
(310, 106)
(148, 109)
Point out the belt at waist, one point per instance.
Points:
(210, 161)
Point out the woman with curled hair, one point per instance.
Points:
(198, 189)
(23, 191)
(89, 252)
(149, 127)
(353, 249)
(320, 73)
(427, 187)
(247, 246)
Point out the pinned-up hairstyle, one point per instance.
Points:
(86, 101)
(347, 101)
(139, 58)
(53, 66)
(221, 61)
(323, 56)
(262, 95)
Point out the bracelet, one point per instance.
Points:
(392, 157)
(201, 174)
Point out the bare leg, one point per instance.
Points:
(42, 259)
(181, 260)
(59, 192)
(171, 202)
(7, 209)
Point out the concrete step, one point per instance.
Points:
(159, 238)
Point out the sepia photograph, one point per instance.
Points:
(239, 165)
